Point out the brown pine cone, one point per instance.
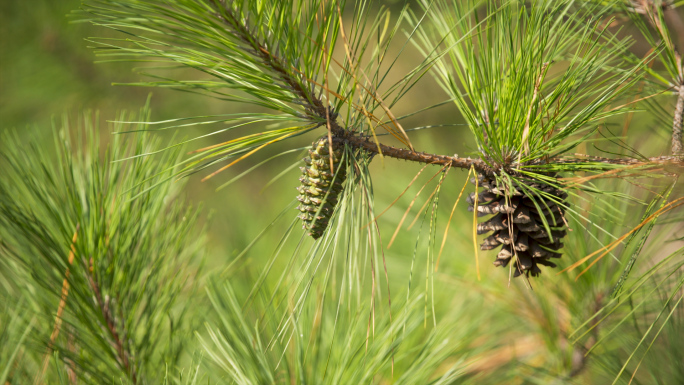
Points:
(518, 216)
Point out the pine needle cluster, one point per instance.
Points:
(96, 279)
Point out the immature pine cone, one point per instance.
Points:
(531, 242)
(320, 187)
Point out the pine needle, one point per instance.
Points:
(439, 185)
(475, 245)
(400, 195)
(248, 155)
(453, 209)
(403, 218)
(608, 248)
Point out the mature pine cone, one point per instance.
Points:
(320, 188)
(520, 219)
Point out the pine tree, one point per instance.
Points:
(535, 83)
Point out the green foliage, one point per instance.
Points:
(207, 36)
(126, 262)
(274, 55)
(333, 344)
(533, 81)
(527, 78)
(13, 335)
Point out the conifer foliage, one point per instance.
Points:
(100, 256)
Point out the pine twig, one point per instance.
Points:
(316, 109)
(110, 321)
(677, 122)
(650, 9)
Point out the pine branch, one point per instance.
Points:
(677, 122)
(316, 109)
(285, 84)
(124, 354)
(131, 260)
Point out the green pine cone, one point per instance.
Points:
(320, 187)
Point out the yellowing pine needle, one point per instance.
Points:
(248, 155)
(382, 124)
(391, 116)
(409, 208)
(373, 94)
(453, 209)
(640, 99)
(400, 195)
(384, 28)
(608, 248)
(477, 259)
(242, 138)
(576, 181)
(358, 108)
(60, 308)
(427, 201)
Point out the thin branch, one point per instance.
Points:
(110, 321)
(673, 159)
(650, 9)
(420, 157)
(677, 122)
(317, 110)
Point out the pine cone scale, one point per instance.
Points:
(320, 186)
